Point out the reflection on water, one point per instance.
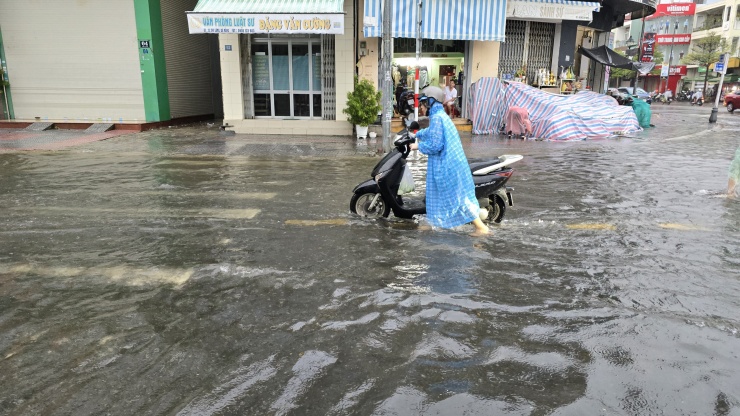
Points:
(138, 277)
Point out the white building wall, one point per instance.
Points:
(74, 60)
(231, 77)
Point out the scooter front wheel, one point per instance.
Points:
(369, 205)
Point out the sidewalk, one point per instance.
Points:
(671, 122)
(18, 139)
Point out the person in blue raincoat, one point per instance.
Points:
(450, 193)
(733, 183)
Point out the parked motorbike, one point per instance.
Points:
(684, 96)
(405, 102)
(378, 196)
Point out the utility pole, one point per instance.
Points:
(386, 83)
(639, 53)
(418, 61)
(720, 67)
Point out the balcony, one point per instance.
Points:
(709, 24)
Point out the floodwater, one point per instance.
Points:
(171, 272)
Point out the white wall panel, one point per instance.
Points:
(188, 60)
(73, 59)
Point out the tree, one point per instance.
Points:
(704, 52)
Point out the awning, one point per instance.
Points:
(609, 57)
(267, 16)
(551, 10)
(441, 19)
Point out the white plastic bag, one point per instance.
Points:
(407, 181)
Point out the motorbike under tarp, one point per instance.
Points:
(581, 116)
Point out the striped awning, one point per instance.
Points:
(441, 19)
(269, 6)
(267, 16)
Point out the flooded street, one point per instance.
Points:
(182, 272)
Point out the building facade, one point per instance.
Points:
(717, 18)
(275, 67)
(119, 61)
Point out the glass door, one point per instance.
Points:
(286, 75)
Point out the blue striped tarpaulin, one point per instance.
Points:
(585, 115)
(441, 19)
(487, 107)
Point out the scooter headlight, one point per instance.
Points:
(380, 175)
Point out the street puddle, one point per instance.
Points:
(591, 226)
(314, 223)
(680, 227)
(118, 274)
(247, 213)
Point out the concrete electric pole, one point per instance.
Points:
(386, 83)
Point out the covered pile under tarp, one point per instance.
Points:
(487, 105)
(585, 115)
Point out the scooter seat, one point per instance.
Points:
(481, 165)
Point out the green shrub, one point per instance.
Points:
(363, 104)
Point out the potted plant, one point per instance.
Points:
(363, 106)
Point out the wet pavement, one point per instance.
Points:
(179, 271)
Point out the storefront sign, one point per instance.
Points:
(674, 9)
(675, 69)
(550, 11)
(266, 23)
(682, 39)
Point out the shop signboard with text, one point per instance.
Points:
(678, 39)
(675, 70)
(266, 23)
(673, 9)
(550, 11)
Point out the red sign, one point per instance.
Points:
(675, 69)
(674, 9)
(678, 39)
(648, 47)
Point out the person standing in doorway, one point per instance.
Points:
(450, 98)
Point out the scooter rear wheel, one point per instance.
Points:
(496, 210)
(360, 205)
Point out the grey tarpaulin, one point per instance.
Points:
(609, 57)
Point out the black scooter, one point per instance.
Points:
(698, 101)
(376, 197)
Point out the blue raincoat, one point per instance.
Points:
(450, 194)
(735, 174)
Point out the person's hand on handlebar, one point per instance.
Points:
(414, 145)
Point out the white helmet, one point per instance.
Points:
(432, 92)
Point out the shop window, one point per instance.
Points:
(286, 77)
